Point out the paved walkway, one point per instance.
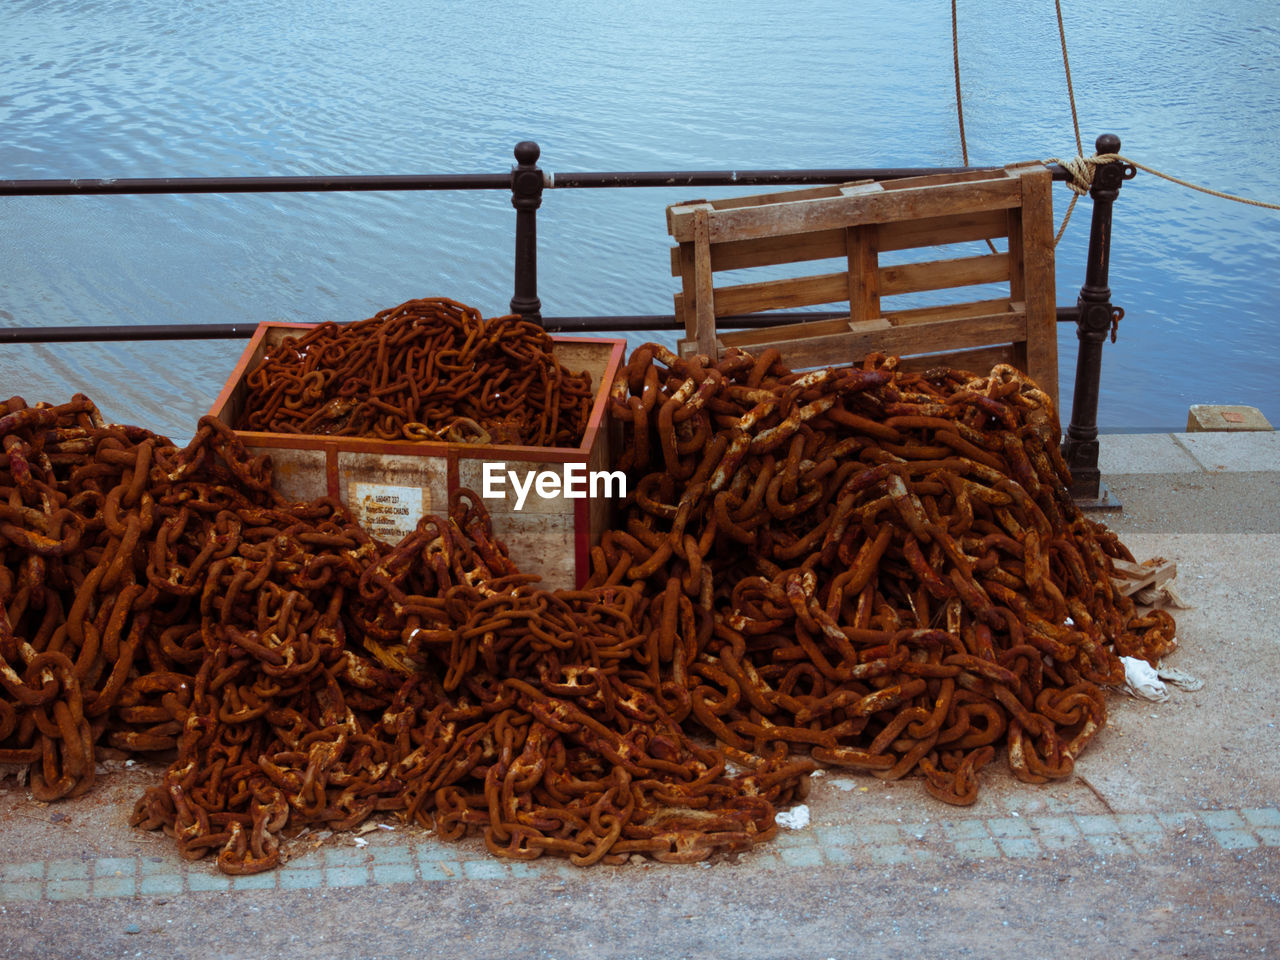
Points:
(1166, 841)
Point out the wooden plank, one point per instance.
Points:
(747, 339)
(1137, 576)
(704, 308)
(829, 244)
(938, 231)
(886, 206)
(790, 294)
(1038, 276)
(863, 274)
(782, 196)
(686, 273)
(942, 179)
(943, 274)
(903, 340)
(952, 311)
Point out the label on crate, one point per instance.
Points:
(388, 513)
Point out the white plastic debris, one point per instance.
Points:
(360, 841)
(1179, 678)
(797, 818)
(1141, 680)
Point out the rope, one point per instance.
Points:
(1082, 170)
(955, 57)
(1071, 94)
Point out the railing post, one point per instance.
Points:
(1093, 322)
(526, 197)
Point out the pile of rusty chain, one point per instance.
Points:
(550, 720)
(427, 370)
(894, 575)
(881, 569)
(76, 606)
(159, 599)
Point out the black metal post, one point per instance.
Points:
(526, 197)
(1093, 322)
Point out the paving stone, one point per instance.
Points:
(1270, 836)
(807, 856)
(255, 881)
(484, 870)
(966, 829)
(1235, 839)
(1009, 827)
(161, 884)
(21, 890)
(1098, 825)
(439, 870)
(1138, 824)
(392, 854)
(1020, 847)
(1261, 816)
(200, 882)
(113, 866)
(67, 890)
(346, 876)
(977, 849)
(1223, 820)
(394, 873)
(125, 886)
(67, 870)
(21, 871)
(345, 857)
(301, 879)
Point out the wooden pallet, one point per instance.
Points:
(928, 218)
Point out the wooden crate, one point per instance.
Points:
(856, 223)
(390, 485)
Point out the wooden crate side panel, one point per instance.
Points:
(298, 473)
(389, 493)
(543, 544)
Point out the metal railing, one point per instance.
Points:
(1093, 313)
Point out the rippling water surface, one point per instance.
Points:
(140, 88)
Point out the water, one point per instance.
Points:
(140, 88)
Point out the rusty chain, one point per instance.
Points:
(427, 370)
(918, 591)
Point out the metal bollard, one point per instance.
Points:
(526, 197)
(1095, 317)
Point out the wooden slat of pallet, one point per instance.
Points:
(851, 346)
(952, 311)
(862, 282)
(848, 211)
(944, 179)
(1041, 362)
(829, 244)
(837, 287)
(750, 339)
(704, 315)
